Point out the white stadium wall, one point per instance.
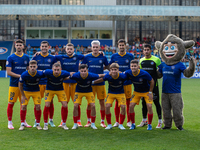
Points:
(99, 24)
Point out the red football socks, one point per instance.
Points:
(75, 119)
(22, 115)
(79, 112)
(51, 111)
(122, 117)
(93, 119)
(45, 114)
(102, 112)
(127, 110)
(150, 117)
(132, 116)
(117, 111)
(64, 113)
(108, 118)
(88, 113)
(38, 115)
(10, 111)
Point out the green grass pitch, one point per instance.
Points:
(86, 138)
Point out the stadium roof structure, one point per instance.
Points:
(91, 12)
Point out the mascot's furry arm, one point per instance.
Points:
(191, 69)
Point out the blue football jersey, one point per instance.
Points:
(55, 83)
(84, 85)
(96, 64)
(115, 84)
(31, 82)
(18, 65)
(69, 64)
(123, 62)
(140, 81)
(171, 77)
(44, 62)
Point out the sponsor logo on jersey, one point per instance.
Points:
(100, 61)
(7, 62)
(3, 50)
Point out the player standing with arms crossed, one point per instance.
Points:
(96, 63)
(70, 63)
(29, 87)
(150, 64)
(45, 61)
(123, 59)
(16, 64)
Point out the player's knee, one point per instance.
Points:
(37, 107)
(149, 107)
(76, 106)
(64, 104)
(47, 104)
(123, 108)
(92, 105)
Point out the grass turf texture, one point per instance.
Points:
(87, 138)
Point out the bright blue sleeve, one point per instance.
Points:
(9, 62)
(47, 72)
(84, 60)
(74, 76)
(41, 74)
(21, 79)
(105, 78)
(182, 67)
(105, 61)
(94, 76)
(66, 73)
(58, 58)
(124, 76)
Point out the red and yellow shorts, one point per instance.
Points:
(42, 89)
(100, 90)
(128, 91)
(89, 96)
(49, 94)
(13, 94)
(119, 97)
(137, 96)
(69, 89)
(35, 95)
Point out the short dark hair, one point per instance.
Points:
(44, 42)
(134, 61)
(70, 44)
(83, 66)
(121, 41)
(32, 62)
(19, 41)
(147, 45)
(57, 64)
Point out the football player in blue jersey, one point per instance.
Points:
(29, 87)
(115, 92)
(84, 89)
(96, 64)
(123, 59)
(55, 77)
(16, 64)
(45, 61)
(70, 63)
(143, 87)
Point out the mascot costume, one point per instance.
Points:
(172, 50)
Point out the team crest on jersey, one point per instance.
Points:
(37, 79)
(25, 62)
(74, 58)
(100, 61)
(127, 61)
(152, 63)
(49, 60)
(140, 79)
(88, 82)
(120, 82)
(61, 79)
(173, 67)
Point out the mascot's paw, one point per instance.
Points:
(180, 128)
(166, 128)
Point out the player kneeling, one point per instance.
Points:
(115, 92)
(84, 81)
(143, 87)
(29, 87)
(54, 86)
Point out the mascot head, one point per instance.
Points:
(173, 49)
